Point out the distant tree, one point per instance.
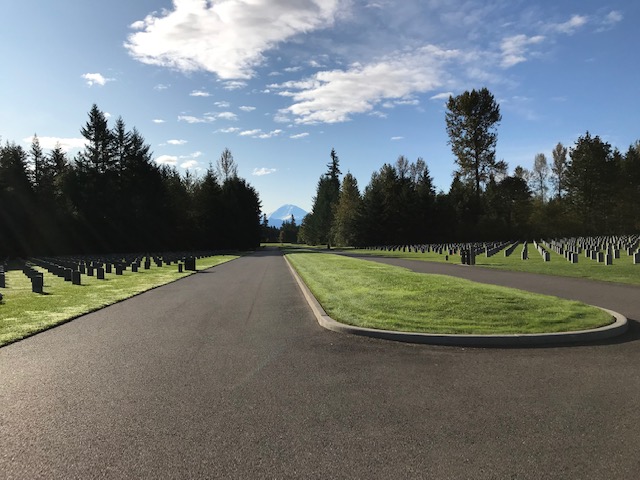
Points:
(559, 169)
(226, 166)
(288, 231)
(539, 176)
(471, 121)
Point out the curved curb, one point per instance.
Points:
(460, 340)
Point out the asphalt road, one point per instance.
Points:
(226, 374)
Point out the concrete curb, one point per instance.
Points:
(513, 340)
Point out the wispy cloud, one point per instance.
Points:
(203, 36)
(157, 120)
(176, 142)
(199, 93)
(66, 144)
(259, 172)
(234, 85)
(246, 108)
(441, 96)
(610, 20)
(96, 79)
(397, 138)
(514, 49)
(299, 135)
(161, 86)
(333, 96)
(570, 26)
(228, 130)
(222, 104)
(226, 115)
(258, 133)
(192, 119)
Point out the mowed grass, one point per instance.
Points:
(23, 313)
(622, 271)
(373, 295)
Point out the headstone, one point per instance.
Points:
(82, 269)
(609, 259)
(100, 273)
(546, 256)
(134, 267)
(2, 280)
(76, 277)
(190, 264)
(107, 267)
(636, 258)
(119, 269)
(90, 270)
(180, 267)
(600, 257)
(147, 264)
(574, 257)
(37, 283)
(68, 274)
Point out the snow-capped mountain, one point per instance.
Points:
(284, 213)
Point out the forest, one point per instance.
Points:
(587, 189)
(112, 197)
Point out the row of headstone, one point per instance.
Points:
(546, 256)
(509, 250)
(36, 277)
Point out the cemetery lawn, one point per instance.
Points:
(622, 271)
(23, 313)
(373, 295)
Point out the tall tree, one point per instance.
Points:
(559, 169)
(345, 226)
(471, 119)
(590, 180)
(539, 176)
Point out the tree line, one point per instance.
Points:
(112, 197)
(587, 189)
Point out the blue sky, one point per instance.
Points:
(281, 82)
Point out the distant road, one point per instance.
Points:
(226, 374)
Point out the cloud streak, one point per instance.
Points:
(96, 79)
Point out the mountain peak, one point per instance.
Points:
(284, 214)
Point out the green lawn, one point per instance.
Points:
(373, 295)
(23, 313)
(622, 271)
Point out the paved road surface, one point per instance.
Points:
(226, 374)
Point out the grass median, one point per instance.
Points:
(23, 313)
(373, 295)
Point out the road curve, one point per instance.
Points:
(226, 374)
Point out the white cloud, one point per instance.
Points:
(226, 115)
(228, 130)
(250, 133)
(441, 96)
(570, 26)
(224, 37)
(66, 144)
(397, 138)
(190, 164)
(167, 160)
(157, 120)
(609, 21)
(333, 96)
(234, 85)
(222, 104)
(192, 119)
(96, 79)
(515, 48)
(299, 135)
(176, 142)
(246, 108)
(161, 86)
(272, 133)
(199, 93)
(107, 115)
(258, 172)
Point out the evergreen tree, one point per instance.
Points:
(539, 176)
(345, 226)
(559, 169)
(471, 121)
